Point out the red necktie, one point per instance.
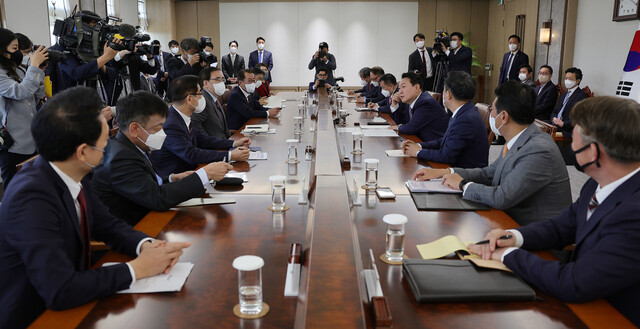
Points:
(191, 130)
(84, 230)
(424, 64)
(593, 203)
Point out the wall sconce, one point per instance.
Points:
(545, 33)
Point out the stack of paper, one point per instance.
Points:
(379, 133)
(254, 129)
(274, 101)
(161, 282)
(433, 185)
(396, 154)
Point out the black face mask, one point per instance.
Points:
(16, 57)
(579, 167)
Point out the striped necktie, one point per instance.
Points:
(593, 203)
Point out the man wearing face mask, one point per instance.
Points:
(161, 79)
(263, 89)
(373, 95)
(244, 104)
(512, 60)
(207, 48)
(260, 82)
(529, 180)
(389, 89)
(322, 59)
(547, 94)
(526, 75)
(561, 116)
(459, 56)
(365, 81)
(421, 62)
(261, 56)
(464, 144)
(174, 47)
(185, 146)
(232, 63)
(127, 181)
(212, 120)
(188, 63)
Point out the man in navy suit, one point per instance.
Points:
(561, 116)
(261, 56)
(374, 94)
(464, 144)
(421, 62)
(365, 81)
(321, 80)
(512, 60)
(459, 56)
(424, 117)
(49, 215)
(389, 89)
(547, 94)
(603, 223)
(185, 146)
(244, 103)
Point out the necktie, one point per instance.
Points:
(509, 67)
(84, 231)
(191, 131)
(155, 171)
(424, 64)
(505, 149)
(593, 203)
(233, 60)
(566, 98)
(260, 59)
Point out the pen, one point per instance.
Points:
(224, 159)
(504, 237)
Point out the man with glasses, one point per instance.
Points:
(244, 104)
(212, 120)
(321, 81)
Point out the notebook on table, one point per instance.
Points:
(444, 201)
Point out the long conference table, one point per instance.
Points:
(336, 237)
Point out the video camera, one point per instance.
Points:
(441, 37)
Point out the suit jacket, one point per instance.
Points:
(606, 257)
(518, 60)
(464, 144)
(365, 89)
(240, 110)
(41, 247)
(530, 183)
(461, 60)
(264, 90)
(182, 152)
(330, 65)
(231, 71)
(177, 68)
(212, 120)
(415, 62)
(127, 184)
(267, 58)
(577, 95)
(546, 100)
(426, 119)
(399, 116)
(374, 95)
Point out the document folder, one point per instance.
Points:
(445, 201)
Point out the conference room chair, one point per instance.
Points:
(483, 109)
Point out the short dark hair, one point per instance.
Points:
(323, 44)
(155, 42)
(461, 85)
(613, 123)
(242, 73)
(173, 43)
(189, 43)
(183, 86)
(526, 66)
(388, 78)
(259, 65)
(233, 41)
(460, 36)
(205, 74)
(514, 36)
(518, 99)
(322, 69)
(257, 70)
(548, 68)
(576, 71)
(418, 35)
(364, 72)
(23, 41)
(377, 70)
(66, 121)
(414, 79)
(260, 38)
(138, 107)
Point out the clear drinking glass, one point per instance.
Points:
(395, 236)
(342, 114)
(277, 192)
(357, 142)
(249, 283)
(301, 110)
(371, 175)
(292, 152)
(297, 125)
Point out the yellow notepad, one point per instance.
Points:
(449, 244)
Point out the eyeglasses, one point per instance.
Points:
(221, 79)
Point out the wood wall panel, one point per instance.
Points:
(186, 19)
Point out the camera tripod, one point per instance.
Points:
(441, 73)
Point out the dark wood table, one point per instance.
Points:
(336, 238)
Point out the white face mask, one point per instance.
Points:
(385, 93)
(154, 141)
(207, 53)
(420, 44)
(233, 50)
(144, 58)
(492, 123)
(25, 60)
(375, 83)
(261, 46)
(569, 83)
(97, 149)
(219, 88)
(522, 76)
(512, 47)
(250, 87)
(258, 83)
(543, 78)
(201, 105)
(175, 50)
(189, 57)
(363, 83)
(454, 44)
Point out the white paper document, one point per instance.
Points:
(396, 154)
(379, 133)
(434, 185)
(348, 129)
(258, 155)
(274, 101)
(214, 199)
(161, 282)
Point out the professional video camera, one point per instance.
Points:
(441, 37)
(148, 49)
(205, 41)
(55, 56)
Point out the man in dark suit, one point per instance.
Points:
(188, 63)
(162, 77)
(464, 144)
(547, 94)
(424, 117)
(365, 81)
(421, 62)
(232, 63)
(261, 56)
(243, 103)
(603, 222)
(49, 214)
(388, 89)
(512, 60)
(185, 146)
(327, 62)
(126, 180)
(561, 116)
(459, 56)
(374, 95)
(207, 48)
(212, 120)
(321, 80)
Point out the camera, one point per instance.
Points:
(55, 56)
(321, 54)
(148, 49)
(441, 37)
(204, 42)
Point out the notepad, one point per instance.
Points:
(379, 133)
(396, 154)
(433, 185)
(215, 199)
(450, 244)
(161, 282)
(274, 101)
(258, 155)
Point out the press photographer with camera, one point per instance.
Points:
(206, 46)
(20, 90)
(323, 60)
(190, 62)
(421, 62)
(459, 56)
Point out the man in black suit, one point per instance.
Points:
(561, 115)
(207, 48)
(244, 103)
(127, 182)
(547, 94)
(212, 120)
(232, 63)
(422, 63)
(161, 79)
(327, 62)
(189, 62)
(512, 60)
(365, 81)
(459, 56)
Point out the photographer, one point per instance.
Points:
(188, 63)
(130, 66)
(207, 47)
(322, 59)
(458, 55)
(20, 90)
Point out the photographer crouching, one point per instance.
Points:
(323, 60)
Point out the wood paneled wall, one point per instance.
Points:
(199, 18)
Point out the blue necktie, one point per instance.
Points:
(566, 98)
(506, 76)
(260, 57)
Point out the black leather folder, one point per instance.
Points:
(445, 281)
(444, 201)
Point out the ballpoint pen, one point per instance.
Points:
(504, 237)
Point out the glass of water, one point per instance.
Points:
(371, 175)
(395, 236)
(297, 125)
(301, 109)
(249, 283)
(357, 142)
(277, 192)
(292, 151)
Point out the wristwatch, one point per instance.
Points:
(462, 184)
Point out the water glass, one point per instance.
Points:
(278, 192)
(297, 125)
(249, 283)
(357, 142)
(395, 236)
(371, 175)
(292, 151)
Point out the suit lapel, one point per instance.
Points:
(125, 141)
(523, 139)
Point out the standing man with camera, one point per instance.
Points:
(188, 63)
(207, 47)
(421, 62)
(261, 56)
(323, 60)
(458, 55)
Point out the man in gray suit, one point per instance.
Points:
(529, 180)
(212, 120)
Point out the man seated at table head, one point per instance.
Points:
(264, 89)
(127, 181)
(464, 144)
(365, 81)
(373, 95)
(185, 146)
(424, 117)
(243, 103)
(321, 81)
(212, 120)
(603, 223)
(49, 213)
(529, 180)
